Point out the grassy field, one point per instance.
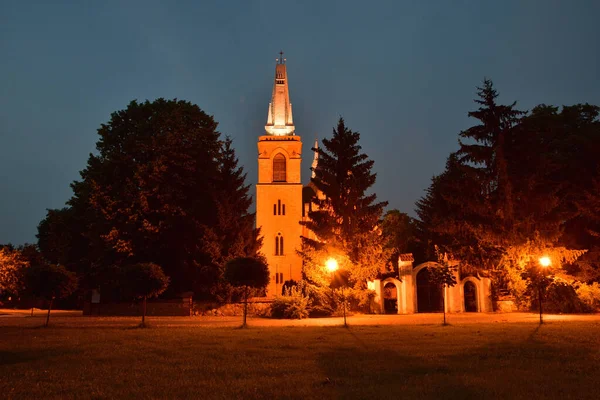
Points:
(82, 357)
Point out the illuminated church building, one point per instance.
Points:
(280, 208)
(279, 187)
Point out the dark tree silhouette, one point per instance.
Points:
(247, 273)
(163, 187)
(145, 280)
(346, 219)
(50, 282)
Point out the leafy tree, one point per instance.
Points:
(443, 275)
(12, 267)
(504, 195)
(346, 220)
(341, 280)
(443, 220)
(145, 280)
(247, 273)
(62, 240)
(50, 282)
(399, 232)
(162, 188)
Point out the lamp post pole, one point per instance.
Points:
(344, 305)
(332, 266)
(544, 263)
(540, 303)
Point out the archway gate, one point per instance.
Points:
(477, 297)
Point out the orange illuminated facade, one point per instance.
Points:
(279, 187)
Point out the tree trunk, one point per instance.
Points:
(540, 303)
(49, 308)
(245, 306)
(344, 305)
(444, 302)
(144, 313)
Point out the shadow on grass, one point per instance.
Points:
(138, 326)
(522, 369)
(26, 356)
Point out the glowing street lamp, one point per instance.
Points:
(545, 262)
(331, 265)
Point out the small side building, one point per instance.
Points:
(411, 291)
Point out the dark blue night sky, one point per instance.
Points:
(402, 73)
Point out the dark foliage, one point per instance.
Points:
(518, 181)
(346, 219)
(399, 231)
(162, 188)
(247, 272)
(145, 280)
(49, 282)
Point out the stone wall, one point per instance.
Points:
(176, 307)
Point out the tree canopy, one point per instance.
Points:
(50, 282)
(346, 219)
(518, 187)
(164, 188)
(247, 273)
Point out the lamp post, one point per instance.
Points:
(544, 263)
(332, 265)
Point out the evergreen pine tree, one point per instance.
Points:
(234, 235)
(498, 203)
(346, 219)
(483, 158)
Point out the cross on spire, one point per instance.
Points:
(281, 59)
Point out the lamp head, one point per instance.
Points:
(331, 264)
(545, 261)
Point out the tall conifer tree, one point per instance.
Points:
(346, 218)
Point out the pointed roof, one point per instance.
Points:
(279, 119)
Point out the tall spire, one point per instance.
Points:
(279, 119)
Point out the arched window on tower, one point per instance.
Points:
(279, 168)
(279, 245)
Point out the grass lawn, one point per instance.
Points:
(82, 357)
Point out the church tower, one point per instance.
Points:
(279, 187)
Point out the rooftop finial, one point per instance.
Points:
(281, 59)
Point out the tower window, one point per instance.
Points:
(279, 168)
(278, 277)
(279, 245)
(278, 208)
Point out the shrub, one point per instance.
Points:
(293, 304)
(321, 300)
(559, 297)
(589, 294)
(361, 300)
